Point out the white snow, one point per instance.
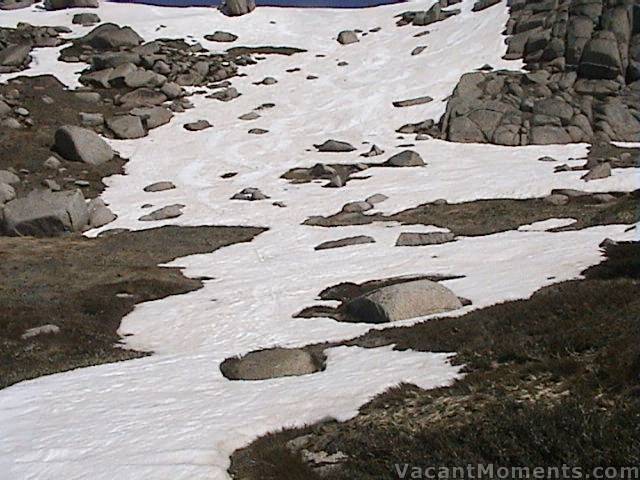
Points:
(173, 415)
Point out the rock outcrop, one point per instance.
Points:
(582, 85)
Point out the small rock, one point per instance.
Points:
(347, 37)
(598, 172)
(164, 213)
(258, 131)
(356, 207)
(52, 162)
(409, 239)
(197, 126)
(99, 214)
(407, 158)
(91, 119)
(267, 81)
(42, 330)
(413, 101)
(345, 242)
(126, 127)
(556, 199)
(418, 50)
(51, 184)
(85, 19)
(221, 37)
(159, 186)
(250, 194)
(377, 198)
(249, 116)
(335, 146)
(373, 152)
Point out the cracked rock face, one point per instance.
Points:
(583, 84)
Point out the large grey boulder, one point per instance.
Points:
(272, 363)
(238, 7)
(402, 301)
(335, 146)
(126, 126)
(64, 4)
(110, 36)
(15, 55)
(406, 158)
(43, 213)
(81, 145)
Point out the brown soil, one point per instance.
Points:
(29, 147)
(485, 217)
(73, 282)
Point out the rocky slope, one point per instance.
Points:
(582, 84)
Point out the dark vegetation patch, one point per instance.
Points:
(26, 149)
(266, 50)
(84, 287)
(347, 291)
(551, 380)
(485, 217)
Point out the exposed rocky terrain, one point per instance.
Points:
(582, 82)
(376, 238)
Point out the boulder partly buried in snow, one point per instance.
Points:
(272, 363)
(43, 213)
(402, 301)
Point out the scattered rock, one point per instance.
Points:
(412, 102)
(409, 239)
(159, 186)
(418, 50)
(598, 172)
(81, 145)
(356, 207)
(335, 146)
(164, 213)
(237, 7)
(249, 116)
(43, 213)
(347, 37)
(373, 152)
(250, 194)
(197, 126)
(221, 37)
(376, 198)
(345, 242)
(99, 214)
(48, 329)
(85, 19)
(126, 126)
(267, 81)
(556, 199)
(407, 158)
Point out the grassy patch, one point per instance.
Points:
(84, 287)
